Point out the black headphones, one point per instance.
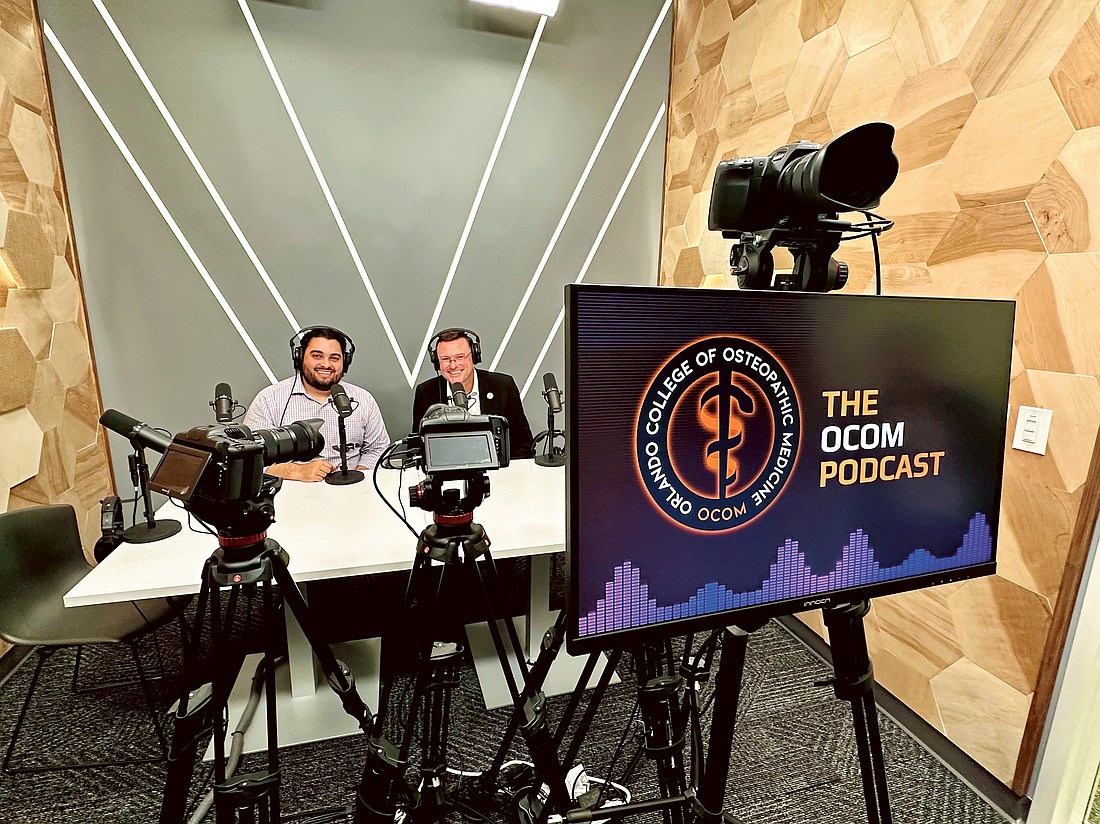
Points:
(472, 337)
(298, 342)
(111, 525)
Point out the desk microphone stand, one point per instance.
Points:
(151, 530)
(344, 475)
(551, 455)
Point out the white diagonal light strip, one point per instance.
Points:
(195, 164)
(596, 244)
(580, 183)
(323, 183)
(480, 193)
(153, 196)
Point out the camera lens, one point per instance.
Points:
(301, 441)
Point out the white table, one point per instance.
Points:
(338, 531)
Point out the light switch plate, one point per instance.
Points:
(1032, 429)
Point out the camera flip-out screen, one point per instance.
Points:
(179, 471)
(446, 452)
(734, 451)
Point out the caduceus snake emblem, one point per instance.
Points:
(727, 423)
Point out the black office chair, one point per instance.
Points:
(40, 560)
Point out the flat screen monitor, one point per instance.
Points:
(734, 452)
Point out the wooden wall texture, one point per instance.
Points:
(997, 106)
(50, 442)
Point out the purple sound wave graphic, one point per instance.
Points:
(626, 602)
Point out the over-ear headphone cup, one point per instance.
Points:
(106, 545)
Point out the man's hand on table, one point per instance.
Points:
(310, 472)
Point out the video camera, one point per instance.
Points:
(217, 472)
(453, 445)
(793, 197)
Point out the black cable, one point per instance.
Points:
(286, 405)
(878, 260)
(619, 748)
(374, 477)
(206, 527)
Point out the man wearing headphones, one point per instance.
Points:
(321, 357)
(454, 353)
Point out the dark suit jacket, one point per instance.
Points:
(499, 396)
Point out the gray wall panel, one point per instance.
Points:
(401, 102)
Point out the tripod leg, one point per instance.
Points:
(853, 681)
(338, 675)
(414, 582)
(551, 644)
(192, 719)
(489, 580)
(711, 793)
(269, 618)
(252, 797)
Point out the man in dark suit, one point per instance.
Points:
(455, 353)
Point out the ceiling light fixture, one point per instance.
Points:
(544, 7)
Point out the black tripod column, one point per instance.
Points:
(435, 683)
(853, 681)
(659, 700)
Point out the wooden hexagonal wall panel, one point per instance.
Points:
(997, 110)
(49, 398)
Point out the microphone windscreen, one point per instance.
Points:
(459, 396)
(118, 422)
(552, 393)
(223, 403)
(340, 400)
(135, 430)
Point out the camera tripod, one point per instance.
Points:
(665, 715)
(259, 563)
(461, 545)
(666, 725)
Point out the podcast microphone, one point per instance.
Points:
(340, 400)
(138, 433)
(459, 396)
(552, 393)
(223, 403)
(343, 475)
(552, 455)
(142, 435)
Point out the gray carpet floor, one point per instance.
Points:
(793, 760)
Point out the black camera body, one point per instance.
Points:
(455, 444)
(217, 472)
(213, 463)
(745, 195)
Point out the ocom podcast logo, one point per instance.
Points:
(718, 432)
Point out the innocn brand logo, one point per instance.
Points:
(717, 434)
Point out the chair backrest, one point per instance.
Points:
(40, 556)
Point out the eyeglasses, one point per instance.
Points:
(456, 359)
